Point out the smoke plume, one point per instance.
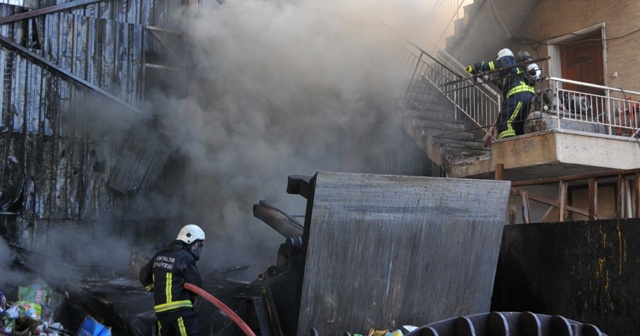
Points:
(276, 88)
(283, 88)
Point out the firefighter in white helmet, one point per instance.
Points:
(517, 92)
(166, 273)
(533, 74)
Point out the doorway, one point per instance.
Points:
(580, 57)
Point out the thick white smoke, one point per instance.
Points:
(277, 88)
(283, 88)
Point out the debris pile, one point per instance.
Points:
(32, 312)
(36, 310)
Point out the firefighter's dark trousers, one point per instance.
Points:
(179, 323)
(513, 114)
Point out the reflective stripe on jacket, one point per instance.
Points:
(165, 275)
(511, 80)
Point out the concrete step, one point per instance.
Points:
(455, 152)
(459, 145)
(458, 136)
(437, 126)
(446, 134)
(435, 113)
(469, 166)
(422, 104)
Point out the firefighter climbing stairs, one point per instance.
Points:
(433, 122)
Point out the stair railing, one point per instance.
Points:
(426, 74)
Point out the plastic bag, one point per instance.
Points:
(91, 327)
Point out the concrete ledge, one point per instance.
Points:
(477, 167)
(554, 153)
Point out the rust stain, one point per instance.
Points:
(622, 249)
(601, 261)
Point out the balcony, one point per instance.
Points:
(570, 133)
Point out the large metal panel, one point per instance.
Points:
(384, 250)
(587, 271)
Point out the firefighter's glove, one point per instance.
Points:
(470, 69)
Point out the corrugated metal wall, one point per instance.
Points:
(53, 169)
(107, 54)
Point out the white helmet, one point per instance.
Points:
(534, 71)
(504, 53)
(190, 233)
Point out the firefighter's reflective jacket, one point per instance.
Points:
(165, 274)
(511, 80)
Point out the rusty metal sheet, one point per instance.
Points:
(53, 186)
(108, 54)
(121, 64)
(140, 160)
(385, 250)
(136, 12)
(11, 170)
(68, 170)
(21, 3)
(59, 171)
(35, 110)
(136, 60)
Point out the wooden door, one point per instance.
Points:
(582, 61)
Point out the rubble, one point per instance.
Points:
(56, 306)
(94, 301)
(32, 312)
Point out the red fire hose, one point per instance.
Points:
(221, 306)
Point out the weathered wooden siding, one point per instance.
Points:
(140, 12)
(384, 250)
(53, 169)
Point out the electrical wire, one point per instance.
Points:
(497, 18)
(537, 43)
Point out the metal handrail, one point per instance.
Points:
(605, 114)
(590, 85)
(427, 75)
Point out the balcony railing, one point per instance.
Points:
(615, 112)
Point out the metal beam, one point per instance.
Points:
(569, 178)
(593, 198)
(562, 199)
(637, 194)
(556, 204)
(526, 217)
(620, 198)
(155, 34)
(9, 44)
(46, 10)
